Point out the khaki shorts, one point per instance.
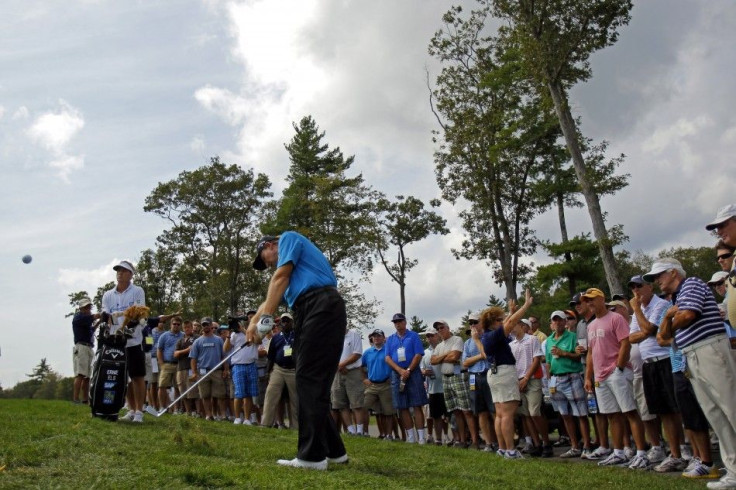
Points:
(82, 359)
(531, 399)
(504, 384)
(378, 397)
(213, 386)
(182, 381)
(167, 376)
(348, 390)
(641, 400)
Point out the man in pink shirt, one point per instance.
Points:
(608, 360)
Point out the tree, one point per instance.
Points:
(403, 222)
(41, 371)
(74, 299)
(496, 138)
(556, 39)
(97, 300)
(158, 276)
(336, 212)
(214, 212)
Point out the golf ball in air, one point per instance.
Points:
(27, 259)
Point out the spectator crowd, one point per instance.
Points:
(645, 380)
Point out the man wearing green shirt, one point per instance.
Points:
(566, 382)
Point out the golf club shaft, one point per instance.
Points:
(202, 379)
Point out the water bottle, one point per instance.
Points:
(402, 385)
(592, 404)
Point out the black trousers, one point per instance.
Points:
(319, 333)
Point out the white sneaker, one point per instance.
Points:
(727, 481)
(339, 460)
(422, 442)
(299, 463)
(238, 421)
(138, 417)
(128, 417)
(599, 453)
(656, 454)
(639, 463)
(247, 422)
(613, 459)
(692, 464)
(671, 464)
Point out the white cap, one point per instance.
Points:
(526, 322)
(718, 277)
(724, 214)
(661, 266)
(558, 313)
(84, 302)
(124, 264)
(430, 331)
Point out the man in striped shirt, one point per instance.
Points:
(699, 333)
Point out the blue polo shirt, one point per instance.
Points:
(496, 346)
(410, 342)
(471, 350)
(207, 351)
(167, 344)
(693, 294)
(374, 361)
(311, 268)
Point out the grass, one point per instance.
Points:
(55, 444)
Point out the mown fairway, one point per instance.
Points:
(54, 444)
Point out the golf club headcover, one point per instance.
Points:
(265, 324)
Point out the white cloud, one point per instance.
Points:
(53, 131)
(2, 111)
(21, 113)
(230, 107)
(77, 279)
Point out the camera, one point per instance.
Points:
(233, 322)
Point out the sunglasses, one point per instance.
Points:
(717, 284)
(441, 327)
(570, 318)
(725, 256)
(179, 324)
(473, 322)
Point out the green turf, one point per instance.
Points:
(55, 444)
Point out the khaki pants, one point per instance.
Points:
(279, 378)
(713, 376)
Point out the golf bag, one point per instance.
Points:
(109, 374)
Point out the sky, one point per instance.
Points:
(102, 100)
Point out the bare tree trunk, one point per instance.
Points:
(567, 124)
(571, 280)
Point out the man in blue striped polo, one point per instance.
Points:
(700, 334)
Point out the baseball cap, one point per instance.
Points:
(724, 214)
(287, 315)
(558, 314)
(430, 331)
(398, 317)
(258, 263)
(716, 277)
(378, 331)
(440, 322)
(571, 313)
(575, 300)
(206, 321)
(591, 293)
(474, 316)
(124, 264)
(617, 303)
(86, 301)
(637, 280)
(661, 266)
(526, 322)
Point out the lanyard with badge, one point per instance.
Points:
(287, 345)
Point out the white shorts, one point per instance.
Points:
(504, 384)
(616, 392)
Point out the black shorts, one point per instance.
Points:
(136, 361)
(437, 408)
(693, 417)
(480, 395)
(659, 388)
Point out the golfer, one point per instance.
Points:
(305, 281)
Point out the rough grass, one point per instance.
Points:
(55, 444)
